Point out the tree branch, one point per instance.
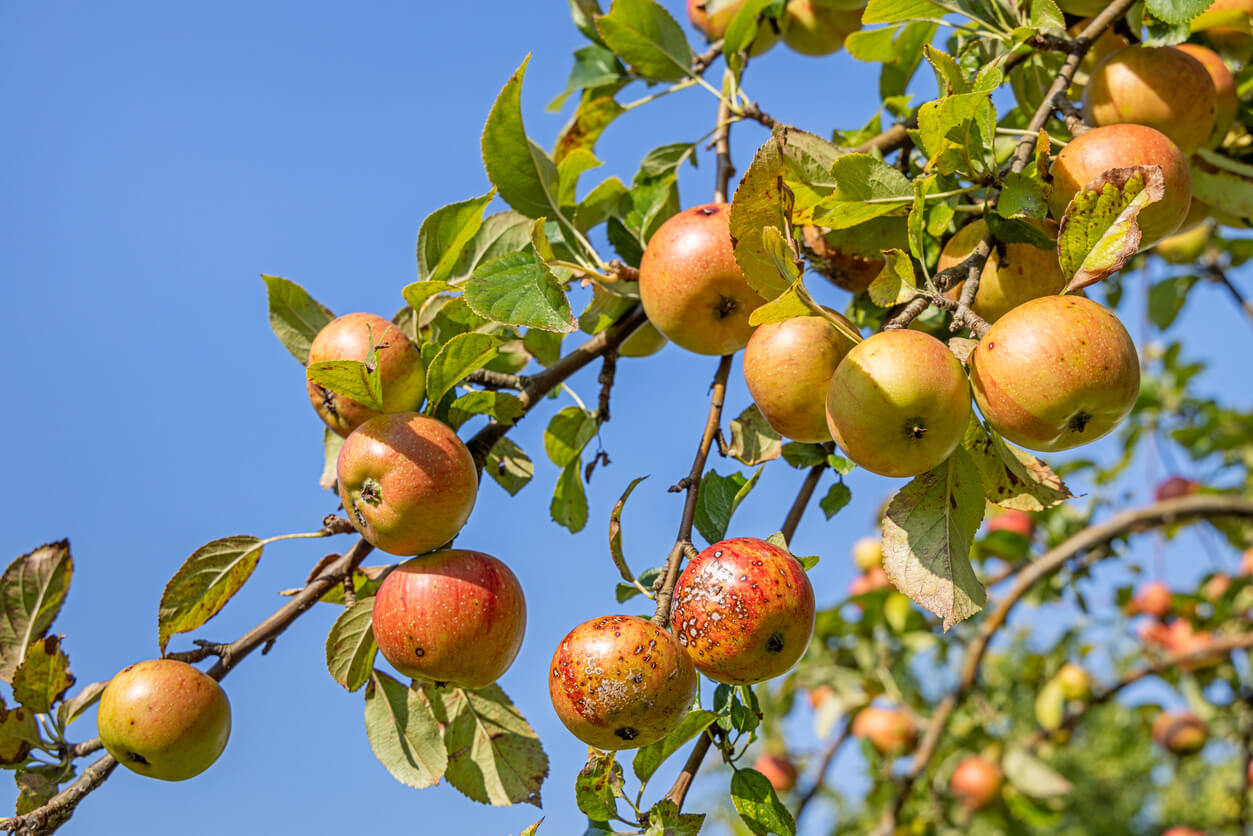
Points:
(820, 779)
(722, 142)
(58, 810)
(801, 502)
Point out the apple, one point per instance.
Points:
(1227, 97)
(976, 782)
(1090, 154)
(1014, 273)
(744, 610)
(1174, 487)
(1154, 598)
(871, 580)
(889, 730)
(868, 553)
(788, 367)
(779, 771)
(692, 288)
(1228, 39)
(620, 682)
(1082, 8)
(645, 342)
(818, 27)
(1074, 681)
(1055, 372)
(1013, 520)
(712, 17)
(1157, 86)
(164, 719)
(1246, 562)
(1216, 587)
(453, 616)
(407, 482)
(899, 403)
(1180, 732)
(399, 367)
(1184, 247)
(1177, 830)
(820, 694)
(852, 258)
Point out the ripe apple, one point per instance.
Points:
(779, 771)
(1082, 8)
(820, 694)
(1178, 830)
(1184, 247)
(1090, 154)
(890, 730)
(1154, 598)
(712, 17)
(620, 682)
(1228, 39)
(744, 609)
(692, 288)
(852, 258)
(399, 367)
(1174, 487)
(407, 482)
(1216, 587)
(1011, 519)
(164, 719)
(1055, 372)
(453, 616)
(645, 342)
(1180, 732)
(976, 782)
(1158, 86)
(1074, 681)
(1227, 98)
(872, 579)
(1015, 275)
(868, 553)
(898, 403)
(818, 27)
(788, 367)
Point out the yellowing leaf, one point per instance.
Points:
(1099, 231)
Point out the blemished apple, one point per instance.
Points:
(1013, 274)
(453, 616)
(1174, 487)
(621, 682)
(407, 482)
(400, 369)
(1180, 732)
(1090, 154)
(976, 782)
(788, 367)
(1157, 86)
(818, 27)
(779, 771)
(164, 719)
(868, 553)
(744, 610)
(712, 17)
(1074, 681)
(1227, 97)
(691, 286)
(899, 403)
(1055, 373)
(889, 730)
(1154, 598)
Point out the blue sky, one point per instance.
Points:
(157, 158)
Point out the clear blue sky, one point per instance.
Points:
(157, 158)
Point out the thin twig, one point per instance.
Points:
(1219, 275)
(608, 369)
(489, 379)
(678, 792)
(801, 502)
(821, 777)
(722, 142)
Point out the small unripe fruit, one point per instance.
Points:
(779, 771)
(1184, 247)
(1013, 274)
(890, 730)
(1180, 732)
(976, 782)
(1074, 681)
(1154, 598)
(868, 553)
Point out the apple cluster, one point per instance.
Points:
(810, 27)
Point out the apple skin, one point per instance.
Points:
(899, 403)
(976, 781)
(399, 365)
(868, 553)
(1216, 587)
(1180, 732)
(164, 719)
(1174, 487)
(1082, 8)
(1055, 372)
(1157, 86)
(1154, 598)
(407, 482)
(889, 730)
(1074, 681)
(1020, 274)
(1227, 98)
(818, 27)
(621, 682)
(691, 286)
(1090, 154)
(788, 367)
(645, 342)
(453, 616)
(1011, 519)
(1228, 39)
(779, 771)
(714, 26)
(1183, 831)
(872, 579)
(852, 258)
(1184, 247)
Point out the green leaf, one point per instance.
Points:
(835, 500)
(896, 283)
(1012, 478)
(716, 500)
(624, 592)
(1176, 11)
(458, 357)
(597, 786)
(859, 178)
(647, 38)
(350, 378)
(18, 732)
(500, 406)
(758, 805)
(32, 590)
(403, 732)
(594, 66)
(803, 455)
(70, 710)
(35, 790)
(573, 151)
(568, 433)
(1032, 776)
(569, 505)
(350, 647)
(500, 234)
(648, 759)
(1022, 197)
(955, 131)
(1167, 298)
(665, 161)
(532, 830)
(604, 310)
(519, 289)
(332, 443)
(1219, 181)
(417, 293)
(204, 583)
(615, 531)
(608, 200)
(494, 756)
(873, 45)
(445, 233)
(1099, 232)
(894, 11)
(43, 677)
(927, 532)
(840, 464)
(295, 316)
(786, 305)
(509, 466)
(753, 440)
(664, 819)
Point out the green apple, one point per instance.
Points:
(818, 27)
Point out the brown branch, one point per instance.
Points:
(752, 111)
(489, 379)
(893, 139)
(1172, 511)
(608, 369)
(58, 810)
(625, 272)
(702, 62)
(678, 792)
(722, 142)
(801, 502)
(1219, 275)
(820, 779)
(87, 747)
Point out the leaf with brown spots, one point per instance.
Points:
(204, 583)
(597, 785)
(1012, 478)
(31, 592)
(18, 733)
(1099, 232)
(43, 677)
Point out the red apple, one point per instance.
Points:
(407, 482)
(1090, 154)
(1157, 86)
(872, 579)
(1174, 487)
(788, 367)
(164, 719)
(1177, 830)
(453, 616)
(1227, 98)
(692, 288)
(1180, 732)
(744, 609)
(976, 782)
(1015, 275)
(818, 27)
(868, 553)
(899, 403)
(399, 367)
(712, 17)
(890, 730)
(1217, 586)
(1154, 598)
(779, 771)
(852, 258)
(1055, 372)
(1010, 519)
(620, 682)
(1246, 562)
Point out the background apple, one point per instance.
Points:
(779, 771)
(976, 781)
(868, 553)
(890, 730)
(645, 342)
(852, 258)
(712, 17)
(818, 27)
(1228, 39)
(1154, 598)
(1180, 732)
(1226, 96)
(1014, 273)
